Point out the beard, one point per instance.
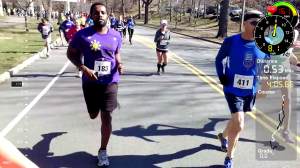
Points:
(100, 23)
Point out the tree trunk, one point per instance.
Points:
(140, 14)
(123, 7)
(223, 22)
(204, 9)
(49, 9)
(26, 21)
(143, 4)
(170, 10)
(146, 13)
(181, 9)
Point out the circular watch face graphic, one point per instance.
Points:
(281, 37)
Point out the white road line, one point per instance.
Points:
(32, 103)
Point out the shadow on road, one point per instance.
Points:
(44, 75)
(140, 132)
(137, 74)
(41, 156)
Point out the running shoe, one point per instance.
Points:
(285, 134)
(163, 69)
(158, 73)
(228, 163)
(48, 55)
(224, 142)
(103, 160)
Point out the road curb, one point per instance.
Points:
(8, 74)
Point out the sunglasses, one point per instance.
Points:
(164, 24)
(253, 22)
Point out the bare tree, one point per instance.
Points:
(223, 22)
(23, 4)
(147, 3)
(123, 7)
(140, 14)
(47, 4)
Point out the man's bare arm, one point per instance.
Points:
(118, 57)
(74, 57)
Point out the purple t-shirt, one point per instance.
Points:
(67, 26)
(101, 48)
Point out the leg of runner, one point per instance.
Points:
(124, 33)
(61, 36)
(159, 57)
(9, 153)
(238, 106)
(285, 134)
(165, 56)
(237, 125)
(48, 41)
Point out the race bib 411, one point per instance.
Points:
(243, 82)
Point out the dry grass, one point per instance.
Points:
(18, 45)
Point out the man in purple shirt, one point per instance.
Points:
(102, 65)
(66, 26)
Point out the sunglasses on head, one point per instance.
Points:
(253, 22)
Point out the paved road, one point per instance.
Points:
(164, 121)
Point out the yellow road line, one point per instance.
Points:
(220, 85)
(152, 45)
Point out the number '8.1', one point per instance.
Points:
(270, 48)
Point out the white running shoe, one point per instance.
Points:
(80, 74)
(287, 136)
(103, 160)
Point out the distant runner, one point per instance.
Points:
(242, 54)
(125, 27)
(66, 26)
(102, 65)
(89, 22)
(130, 24)
(120, 26)
(61, 31)
(113, 21)
(70, 36)
(162, 40)
(45, 28)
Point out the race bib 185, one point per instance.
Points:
(45, 32)
(243, 82)
(163, 42)
(102, 67)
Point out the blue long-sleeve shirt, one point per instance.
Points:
(223, 53)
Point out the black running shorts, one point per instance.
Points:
(240, 103)
(162, 51)
(100, 98)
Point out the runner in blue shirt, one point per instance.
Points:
(89, 22)
(239, 81)
(130, 24)
(113, 21)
